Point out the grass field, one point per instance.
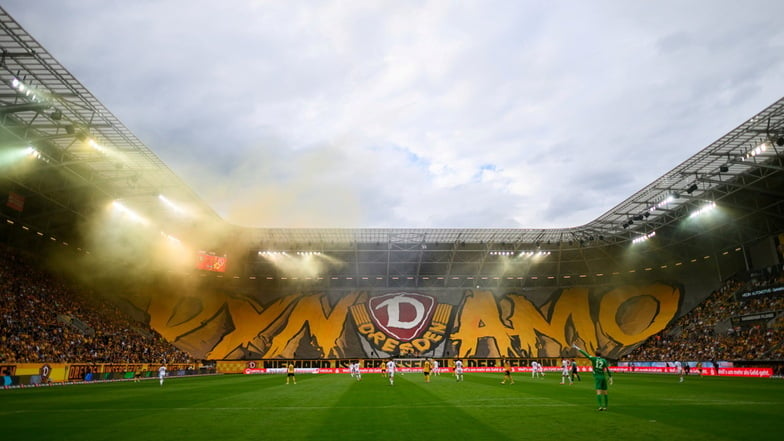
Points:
(327, 407)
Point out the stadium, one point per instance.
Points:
(113, 266)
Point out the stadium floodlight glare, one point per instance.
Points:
(761, 148)
(92, 143)
(502, 253)
(117, 205)
(34, 94)
(643, 238)
(166, 201)
(272, 253)
(538, 253)
(17, 84)
(105, 150)
(16, 155)
(704, 209)
(35, 153)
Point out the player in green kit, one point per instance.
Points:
(601, 376)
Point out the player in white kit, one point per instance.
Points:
(536, 370)
(357, 372)
(458, 370)
(434, 370)
(391, 372)
(566, 371)
(161, 373)
(679, 370)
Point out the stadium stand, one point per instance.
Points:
(44, 319)
(726, 325)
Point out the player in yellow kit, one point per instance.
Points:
(427, 366)
(507, 366)
(290, 373)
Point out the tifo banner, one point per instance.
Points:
(471, 323)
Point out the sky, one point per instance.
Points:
(419, 114)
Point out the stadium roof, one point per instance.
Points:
(88, 158)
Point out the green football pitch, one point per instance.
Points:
(326, 407)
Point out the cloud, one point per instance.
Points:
(411, 114)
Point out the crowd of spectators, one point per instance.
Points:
(725, 326)
(43, 318)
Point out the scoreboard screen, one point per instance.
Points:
(211, 262)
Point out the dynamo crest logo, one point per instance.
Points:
(402, 315)
(402, 322)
